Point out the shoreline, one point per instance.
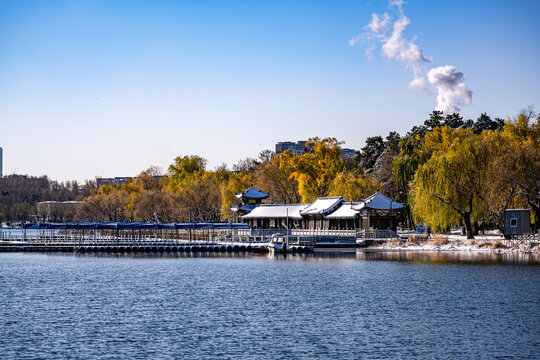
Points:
(489, 243)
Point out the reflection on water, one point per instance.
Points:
(450, 257)
(350, 303)
(426, 257)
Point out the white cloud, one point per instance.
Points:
(394, 45)
(379, 26)
(451, 90)
(369, 51)
(417, 83)
(355, 40)
(398, 3)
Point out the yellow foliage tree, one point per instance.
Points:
(185, 169)
(316, 168)
(353, 186)
(235, 184)
(277, 180)
(446, 189)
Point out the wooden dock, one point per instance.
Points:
(146, 247)
(141, 237)
(137, 244)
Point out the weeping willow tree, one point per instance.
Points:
(448, 189)
(405, 165)
(409, 159)
(520, 167)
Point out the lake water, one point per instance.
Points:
(349, 304)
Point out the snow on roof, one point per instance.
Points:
(345, 211)
(276, 211)
(252, 193)
(246, 207)
(378, 201)
(323, 205)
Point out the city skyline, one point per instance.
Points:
(109, 89)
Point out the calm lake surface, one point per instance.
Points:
(349, 304)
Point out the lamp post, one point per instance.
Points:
(287, 214)
(391, 217)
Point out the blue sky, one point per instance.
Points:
(109, 88)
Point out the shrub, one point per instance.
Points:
(439, 239)
(497, 244)
(414, 240)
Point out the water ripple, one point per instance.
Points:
(89, 307)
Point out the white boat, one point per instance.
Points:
(278, 244)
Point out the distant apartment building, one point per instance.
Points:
(111, 181)
(299, 147)
(348, 153)
(119, 180)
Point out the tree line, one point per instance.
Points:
(19, 194)
(457, 173)
(448, 171)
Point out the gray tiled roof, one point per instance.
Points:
(252, 193)
(276, 211)
(323, 205)
(379, 202)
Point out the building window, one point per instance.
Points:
(513, 223)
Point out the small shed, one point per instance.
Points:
(517, 222)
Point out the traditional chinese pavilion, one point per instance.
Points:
(325, 213)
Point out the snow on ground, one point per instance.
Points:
(488, 242)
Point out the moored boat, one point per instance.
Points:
(278, 244)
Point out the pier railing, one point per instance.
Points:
(134, 241)
(377, 234)
(323, 232)
(77, 238)
(297, 232)
(360, 234)
(150, 237)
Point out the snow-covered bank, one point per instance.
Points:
(489, 243)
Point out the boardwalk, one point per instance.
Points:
(137, 237)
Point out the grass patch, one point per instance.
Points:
(394, 243)
(483, 244)
(439, 239)
(415, 240)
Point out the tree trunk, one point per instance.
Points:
(536, 210)
(500, 226)
(467, 219)
(537, 222)
(476, 228)
(468, 225)
(410, 219)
